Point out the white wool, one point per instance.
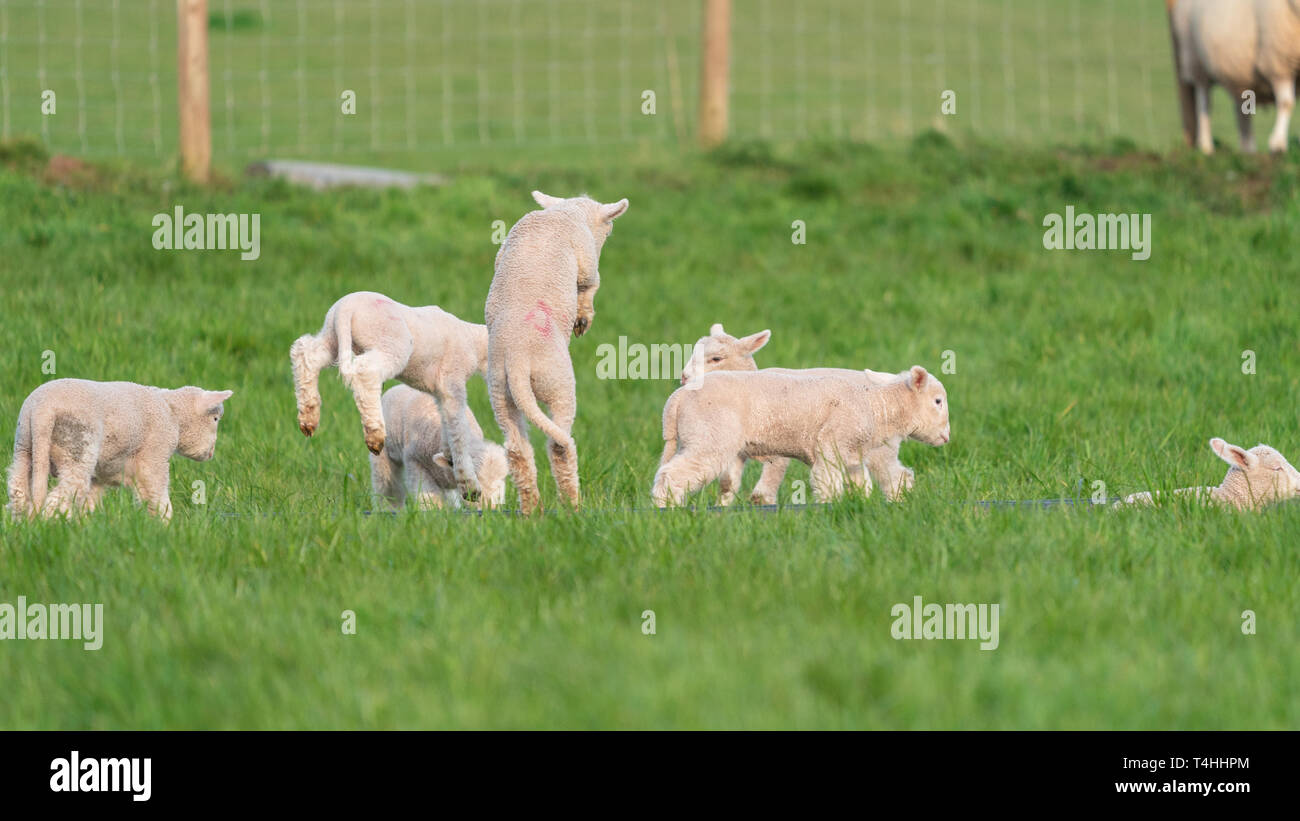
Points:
(1256, 478)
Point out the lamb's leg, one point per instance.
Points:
(1245, 128)
(309, 355)
(151, 484)
(682, 474)
(729, 481)
(1284, 90)
(387, 479)
(424, 489)
(827, 476)
(564, 457)
(365, 378)
(75, 492)
(20, 477)
(519, 451)
(1203, 139)
(769, 483)
(892, 475)
(452, 407)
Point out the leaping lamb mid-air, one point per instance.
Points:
(720, 351)
(1256, 478)
(414, 460)
(829, 422)
(372, 338)
(543, 292)
(97, 435)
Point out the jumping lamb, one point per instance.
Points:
(1242, 45)
(720, 351)
(829, 422)
(96, 435)
(414, 459)
(544, 287)
(1256, 478)
(371, 338)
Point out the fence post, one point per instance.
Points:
(715, 62)
(192, 88)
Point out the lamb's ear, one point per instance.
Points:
(917, 377)
(753, 342)
(716, 330)
(546, 200)
(613, 210)
(440, 459)
(1236, 456)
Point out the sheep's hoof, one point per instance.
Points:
(375, 442)
(470, 495)
(307, 428)
(581, 325)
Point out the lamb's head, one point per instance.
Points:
(599, 216)
(490, 468)
(197, 413)
(720, 351)
(929, 407)
(1256, 477)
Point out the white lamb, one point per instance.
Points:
(1256, 478)
(720, 351)
(414, 459)
(1242, 45)
(371, 339)
(96, 435)
(829, 422)
(544, 287)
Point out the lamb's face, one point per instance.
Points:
(720, 351)
(1260, 475)
(931, 408)
(492, 473)
(198, 413)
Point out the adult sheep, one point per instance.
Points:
(1242, 45)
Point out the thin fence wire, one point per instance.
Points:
(434, 75)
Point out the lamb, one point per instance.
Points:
(720, 351)
(544, 286)
(96, 435)
(1242, 45)
(371, 339)
(830, 422)
(1256, 478)
(414, 459)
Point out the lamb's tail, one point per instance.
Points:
(670, 428)
(20, 472)
(521, 391)
(41, 430)
(343, 334)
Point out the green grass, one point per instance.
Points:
(1071, 367)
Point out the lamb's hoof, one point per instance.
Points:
(375, 441)
(307, 428)
(581, 325)
(470, 495)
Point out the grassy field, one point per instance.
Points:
(1071, 367)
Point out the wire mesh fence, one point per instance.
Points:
(352, 79)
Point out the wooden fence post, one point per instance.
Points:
(192, 88)
(715, 59)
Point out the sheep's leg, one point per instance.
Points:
(424, 488)
(452, 406)
(893, 476)
(859, 477)
(365, 378)
(564, 457)
(20, 477)
(769, 483)
(827, 479)
(682, 475)
(1203, 139)
(1284, 90)
(309, 355)
(75, 490)
(519, 451)
(729, 481)
(387, 479)
(150, 484)
(1245, 128)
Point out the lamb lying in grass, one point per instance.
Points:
(96, 435)
(720, 351)
(1256, 478)
(830, 422)
(414, 459)
(544, 287)
(371, 339)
